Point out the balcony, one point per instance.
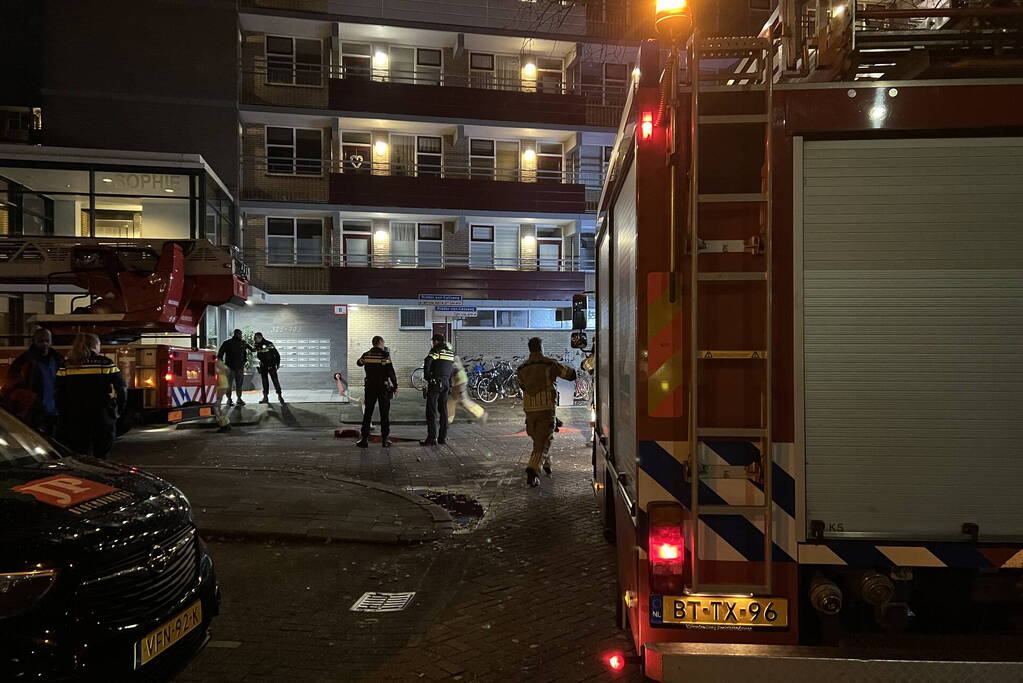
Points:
(453, 184)
(447, 95)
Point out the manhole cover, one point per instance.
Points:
(465, 511)
(382, 602)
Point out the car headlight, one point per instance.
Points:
(20, 590)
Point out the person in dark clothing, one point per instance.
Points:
(269, 360)
(438, 367)
(31, 392)
(90, 396)
(381, 385)
(234, 353)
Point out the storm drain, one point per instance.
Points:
(465, 511)
(382, 602)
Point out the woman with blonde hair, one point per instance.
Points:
(90, 396)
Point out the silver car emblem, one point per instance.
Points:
(158, 559)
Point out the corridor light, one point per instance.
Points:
(380, 148)
(636, 73)
(528, 239)
(380, 234)
(380, 59)
(529, 70)
(528, 155)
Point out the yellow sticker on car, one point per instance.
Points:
(159, 640)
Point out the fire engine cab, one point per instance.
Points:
(809, 304)
(135, 288)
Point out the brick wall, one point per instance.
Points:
(256, 90)
(283, 279)
(257, 184)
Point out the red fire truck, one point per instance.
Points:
(134, 288)
(809, 306)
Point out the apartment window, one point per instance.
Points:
(412, 319)
(294, 240)
(484, 319)
(430, 245)
(356, 152)
(403, 244)
(616, 78)
(294, 61)
(549, 75)
(294, 151)
(481, 70)
(356, 61)
(506, 247)
(428, 155)
(516, 319)
(481, 158)
(549, 161)
(550, 245)
(481, 246)
(428, 66)
(357, 243)
(494, 159)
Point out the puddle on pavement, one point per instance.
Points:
(465, 511)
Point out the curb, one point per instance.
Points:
(443, 524)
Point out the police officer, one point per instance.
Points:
(269, 360)
(381, 385)
(537, 378)
(438, 366)
(234, 353)
(90, 396)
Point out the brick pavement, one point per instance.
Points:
(527, 595)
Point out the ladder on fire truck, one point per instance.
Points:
(751, 79)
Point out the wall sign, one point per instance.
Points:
(440, 299)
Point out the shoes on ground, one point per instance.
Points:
(428, 442)
(280, 398)
(230, 403)
(532, 478)
(441, 442)
(265, 399)
(387, 443)
(240, 401)
(547, 468)
(362, 443)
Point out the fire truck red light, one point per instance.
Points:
(616, 662)
(169, 377)
(666, 551)
(646, 126)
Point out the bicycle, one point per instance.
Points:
(417, 380)
(500, 382)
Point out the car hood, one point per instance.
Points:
(83, 502)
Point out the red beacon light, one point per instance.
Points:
(646, 125)
(169, 377)
(616, 662)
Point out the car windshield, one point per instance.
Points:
(19, 444)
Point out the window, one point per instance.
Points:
(412, 319)
(484, 319)
(356, 61)
(494, 159)
(356, 152)
(430, 245)
(549, 247)
(294, 151)
(294, 61)
(512, 319)
(481, 158)
(506, 247)
(428, 66)
(549, 75)
(481, 70)
(428, 156)
(481, 246)
(521, 319)
(549, 161)
(294, 240)
(616, 78)
(403, 244)
(356, 243)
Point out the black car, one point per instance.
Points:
(102, 573)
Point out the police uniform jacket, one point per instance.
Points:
(536, 377)
(90, 390)
(439, 365)
(379, 369)
(267, 354)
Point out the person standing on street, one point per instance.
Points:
(537, 377)
(223, 389)
(90, 396)
(234, 353)
(459, 394)
(381, 385)
(438, 366)
(269, 361)
(31, 391)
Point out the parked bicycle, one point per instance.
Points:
(501, 381)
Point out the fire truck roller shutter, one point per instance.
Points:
(623, 314)
(909, 257)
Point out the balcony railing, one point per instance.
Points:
(312, 259)
(306, 86)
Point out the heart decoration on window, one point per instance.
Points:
(356, 160)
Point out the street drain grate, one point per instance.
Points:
(382, 602)
(465, 511)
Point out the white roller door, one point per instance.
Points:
(912, 335)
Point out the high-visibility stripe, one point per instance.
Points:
(87, 370)
(664, 349)
(375, 360)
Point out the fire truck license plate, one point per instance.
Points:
(725, 611)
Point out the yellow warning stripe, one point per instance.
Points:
(97, 370)
(664, 349)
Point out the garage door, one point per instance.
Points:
(912, 281)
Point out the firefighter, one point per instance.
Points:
(269, 360)
(381, 386)
(223, 389)
(234, 353)
(537, 377)
(460, 394)
(438, 366)
(90, 396)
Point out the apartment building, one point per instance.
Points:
(405, 148)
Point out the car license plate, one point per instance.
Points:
(167, 634)
(709, 610)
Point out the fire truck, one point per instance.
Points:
(809, 305)
(134, 288)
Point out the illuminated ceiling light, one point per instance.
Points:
(528, 155)
(635, 73)
(168, 190)
(380, 148)
(380, 60)
(878, 112)
(529, 70)
(381, 234)
(838, 10)
(107, 180)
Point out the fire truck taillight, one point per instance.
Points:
(646, 125)
(666, 548)
(616, 662)
(169, 377)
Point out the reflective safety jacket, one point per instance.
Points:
(379, 369)
(267, 355)
(90, 390)
(439, 365)
(461, 376)
(536, 377)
